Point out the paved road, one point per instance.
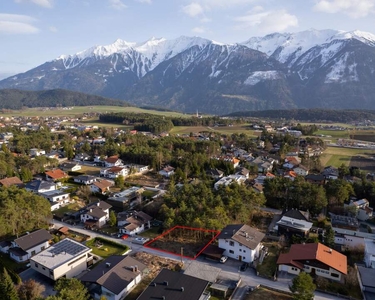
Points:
(230, 269)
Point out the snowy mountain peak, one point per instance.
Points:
(364, 37)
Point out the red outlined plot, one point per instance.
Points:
(183, 241)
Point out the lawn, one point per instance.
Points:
(70, 208)
(336, 156)
(105, 248)
(269, 267)
(10, 264)
(90, 170)
(151, 233)
(333, 133)
(266, 294)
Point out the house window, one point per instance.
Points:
(231, 251)
(244, 251)
(36, 265)
(33, 252)
(334, 275)
(231, 243)
(43, 248)
(240, 250)
(43, 268)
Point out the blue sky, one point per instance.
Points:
(35, 31)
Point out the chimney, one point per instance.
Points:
(91, 210)
(108, 264)
(135, 268)
(165, 283)
(182, 289)
(330, 250)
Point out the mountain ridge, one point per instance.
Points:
(303, 69)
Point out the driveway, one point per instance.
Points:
(43, 280)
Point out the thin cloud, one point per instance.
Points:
(43, 3)
(266, 21)
(193, 9)
(117, 4)
(52, 29)
(198, 30)
(353, 8)
(144, 1)
(17, 24)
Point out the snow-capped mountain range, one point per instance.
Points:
(314, 68)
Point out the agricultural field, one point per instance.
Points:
(243, 128)
(336, 156)
(79, 110)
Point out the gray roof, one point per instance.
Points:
(37, 185)
(115, 273)
(174, 286)
(202, 271)
(243, 234)
(367, 276)
(85, 177)
(33, 239)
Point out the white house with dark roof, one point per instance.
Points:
(85, 179)
(135, 223)
(95, 214)
(66, 258)
(241, 242)
(30, 244)
(40, 186)
(114, 278)
(57, 198)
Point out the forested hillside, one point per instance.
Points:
(16, 99)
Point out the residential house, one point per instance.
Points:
(262, 164)
(36, 152)
(95, 214)
(293, 222)
(114, 172)
(66, 258)
(30, 244)
(138, 168)
(40, 186)
(344, 222)
(81, 157)
(301, 170)
(215, 173)
(114, 278)
(101, 186)
(243, 171)
(171, 285)
(122, 199)
(70, 167)
(135, 223)
(315, 179)
(55, 174)
(85, 179)
(112, 161)
(330, 172)
(362, 209)
(369, 253)
(366, 282)
(258, 188)
(9, 181)
(313, 258)
(167, 171)
(225, 181)
(57, 198)
(241, 242)
(351, 238)
(5, 246)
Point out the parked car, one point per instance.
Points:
(140, 240)
(223, 259)
(244, 267)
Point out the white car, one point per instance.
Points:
(140, 240)
(223, 259)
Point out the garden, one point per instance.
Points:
(105, 248)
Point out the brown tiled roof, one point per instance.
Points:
(11, 181)
(56, 174)
(115, 169)
(112, 159)
(102, 184)
(299, 253)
